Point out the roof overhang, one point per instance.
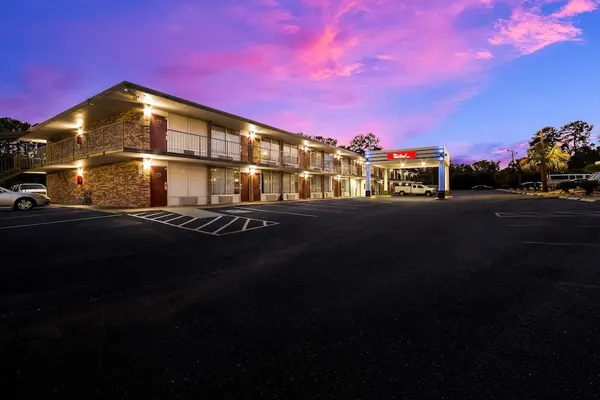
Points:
(418, 157)
(128, 96)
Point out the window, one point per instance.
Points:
(270, 182)
(316, 159)
(327, 184)
(225, 143)
(290, 183)
(225, 181)
(328, 162)
(30, 186)
(269, 151)
(290, 154)
(316, 184)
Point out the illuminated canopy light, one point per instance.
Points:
(148, 111)
(79, 171)
(147, 163)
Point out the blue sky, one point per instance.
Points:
(475, 75)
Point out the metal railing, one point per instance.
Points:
(265, 156)
(110, 138)
(225, 150)
(290, 160)
(187, 143)
(316, 163)
(345, 169)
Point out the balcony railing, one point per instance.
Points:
(345, 169)
(225, 150)
(265, 156)
(110, 138)
(316, 163)
(187, 143)
(328, 167)
(290, 160)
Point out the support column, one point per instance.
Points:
(385, 181)
(447, 173)
(442, 180)
(368, 193)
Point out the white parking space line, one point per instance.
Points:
(177, 217)
(46, 215)
(208, 223)
(563, 244)
(226, 225)
(153, 215)
(331, 206)
(247, 222)
(279, 212)
(190, 221)
(60, 222)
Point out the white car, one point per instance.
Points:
(30, 188)
(22, 201)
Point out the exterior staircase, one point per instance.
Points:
(12, 166)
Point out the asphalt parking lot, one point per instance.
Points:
(486, 295)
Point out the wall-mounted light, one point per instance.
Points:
(402, 164)
(147, 111)
(80, 176)
(147, 164)
(305, 175)
(305, 148)
(79, 122)
(423, 163)
(252, 135)
(252, 170)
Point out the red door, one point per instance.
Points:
(256, 187)
(245, 190)
(158, 134)
(158, 186)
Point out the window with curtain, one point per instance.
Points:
(270, 182)
(225, 181)
(316, 159)
(270, 151)
(290, 154)
(327, 185)
(290, 183)
(316, 184)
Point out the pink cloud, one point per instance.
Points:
(529, 30)
(574, 7)
(484, 55)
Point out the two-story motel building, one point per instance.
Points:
(132, 146)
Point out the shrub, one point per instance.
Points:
(588, 185)
(566, 186)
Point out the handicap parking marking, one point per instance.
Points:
(219, 225)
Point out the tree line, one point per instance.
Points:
(550, 150)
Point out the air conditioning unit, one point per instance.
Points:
(188, 201)
(225, 199)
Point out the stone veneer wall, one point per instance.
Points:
(112, 185)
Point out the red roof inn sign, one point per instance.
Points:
(402, 155)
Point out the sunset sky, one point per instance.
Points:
(474, 75)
